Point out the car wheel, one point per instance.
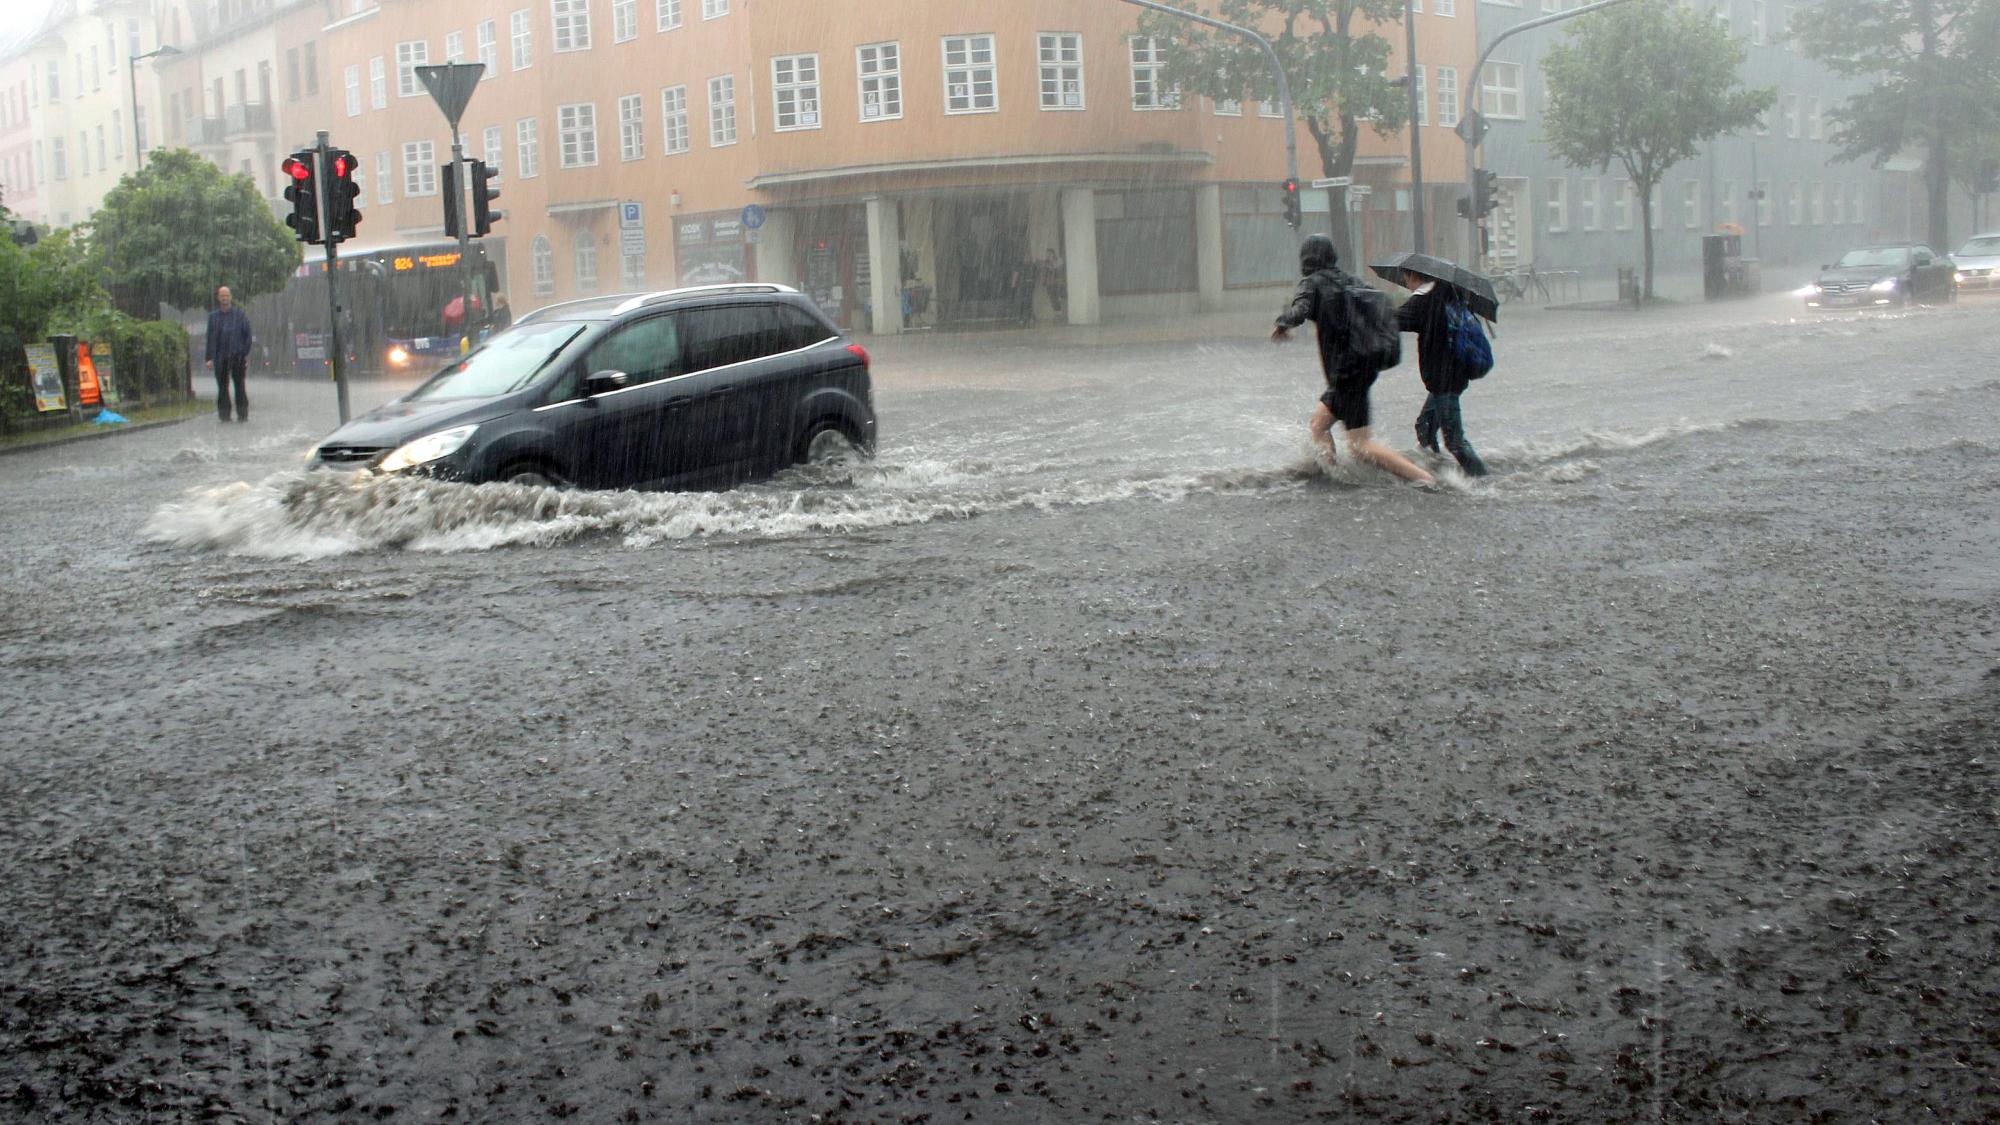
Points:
(532, 473)
(826, 442)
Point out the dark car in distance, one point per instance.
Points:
(701, 387)
(1876, 276)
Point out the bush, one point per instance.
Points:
(149, 357)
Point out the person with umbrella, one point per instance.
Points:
(1442, 313)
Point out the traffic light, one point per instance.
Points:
(452, 215)
(1489, 191)
(341, 192)
(302, 192)
(483, 195)
(1290, 188)
(1464, 212)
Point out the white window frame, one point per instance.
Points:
(1148, 59)
(1423, 96)
(1792, 116)
(454, 46)
(1729, 206)
(1227, 107)
(419, 169)
(1691, 204)
(527, 148)
(1795, 203)
(1817, 203)
(1590, 202)
(378, 82)
(352, 77)
(1855, 213)
(487, 35)
(631, 127)
(542, 266)
(1815, 124)
(576, 135)
(385, 183)
(714, 9)
(1270, 108)
(1558, 204)
(1059, 59)
(569, 24)
(795, 100)
(1758, 37)
(521, 38)
(722, 111)
(624, 20)
(965, 74)
(583, 256)
(1624, 205)
(666, 15)
(1500, 95)
(491, 142)
(674, 135)
(1447, 94)
(878, 71)
(411, 54)
(1446, 8)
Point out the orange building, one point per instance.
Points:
(904, 161)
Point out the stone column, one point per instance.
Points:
(885, 266)
(777, 249)
(1208, 245)
(1079, 211)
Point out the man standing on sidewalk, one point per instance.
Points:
(229, 354)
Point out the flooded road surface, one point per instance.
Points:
(1090, 754)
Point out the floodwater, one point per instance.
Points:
(1089, 754)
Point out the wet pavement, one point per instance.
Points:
(1089, 755)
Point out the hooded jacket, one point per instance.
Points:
(1317, 299)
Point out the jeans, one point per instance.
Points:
(1440, 417)
(228, 371)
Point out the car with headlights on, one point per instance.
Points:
(1892, 274)
(1978, 264)
(699, 387)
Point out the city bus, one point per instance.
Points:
(400, 310)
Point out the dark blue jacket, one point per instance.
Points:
(228, 334)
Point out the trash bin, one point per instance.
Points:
(1719, 253)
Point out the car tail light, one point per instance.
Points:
(860, 353)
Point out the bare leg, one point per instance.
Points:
(1382, 457)
(1322, 432)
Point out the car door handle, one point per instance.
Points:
(678, 401)
(721, 392)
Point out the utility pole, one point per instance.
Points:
(1416, 140)
(451, 86)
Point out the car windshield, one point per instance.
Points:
(506, 363)
(1984, 247)
(1879, 256)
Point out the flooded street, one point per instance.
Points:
(1088, 755)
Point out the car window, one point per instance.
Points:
(1879, 256)
(1981, 247)
(798, 328)
(716, 337)
(645, 350)
(506, 363)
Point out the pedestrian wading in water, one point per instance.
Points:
(1448, 358)
(1357, 341)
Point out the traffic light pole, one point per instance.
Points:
(458, 185)
(336, 349)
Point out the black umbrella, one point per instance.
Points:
(1479, 295)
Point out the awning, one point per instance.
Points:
(971, 163)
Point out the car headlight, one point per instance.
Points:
(398, 356)
(1958, 277)
(1884, 285)
(426, 449)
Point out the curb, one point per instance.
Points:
(29, 447)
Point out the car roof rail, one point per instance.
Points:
(645, 299)
(560, 305)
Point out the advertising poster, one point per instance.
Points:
(107, 375)
(88, 390)
(47, 378)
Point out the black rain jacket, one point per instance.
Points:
(1424, 315)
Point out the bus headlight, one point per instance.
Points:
(426, 449)
(398, 356)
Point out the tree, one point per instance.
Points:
(1936, 82)
(179, 227)
(1335, 66)
(1644, 84)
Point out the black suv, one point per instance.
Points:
(700, 387)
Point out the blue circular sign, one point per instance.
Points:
(753, 217)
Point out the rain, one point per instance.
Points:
(1082, 745)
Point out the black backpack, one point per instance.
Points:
(1371, 338)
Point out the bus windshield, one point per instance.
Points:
(414, 303)
(505, 364)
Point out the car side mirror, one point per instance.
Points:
(1924, 259)
(599, 382)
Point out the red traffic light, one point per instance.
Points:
(296, 168)
(340, 165)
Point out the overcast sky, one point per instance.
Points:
(19, 17)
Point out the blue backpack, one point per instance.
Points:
(1470, 351)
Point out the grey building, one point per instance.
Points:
(1813, 205)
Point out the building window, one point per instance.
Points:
(795, 92)
(385, 190)
(1061, 56)
(1819, 203)
(1149, 66)
(490, 147)
(312, 69)
(527, 149)
(971, 85)
(1447, 96)
(1691, 203)
(1792, 116)
(378, 83)
(1815, 125)
(521, 39)
(410, 56)
(489, 48)
(542, 257)
(674, 113)
(572, 24)
(1795, 204)
(1558, 205)
(1270, 108)
(292, 74)
(721, 111)
(880, 66)
(353, 82)
(631, 128)
(1229, 107)
(419, 168)
(576, 135)
(55, 81)
(1626, 198)
(714, 9)
(1728, 197)
(1765, 204)
(1445, 7)
(1423, 96)
(1587, 201)
(667, 14)
(1757, 37)
(58, 159)
(454, 46)
(624, 20)
(1500, 91)
(1854, 204)
(586, 262)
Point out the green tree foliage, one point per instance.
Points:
(1334, 61)
(1936, 68)
(178, 228)
(1644, 84)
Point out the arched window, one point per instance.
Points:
(544, 257)
(586, 262)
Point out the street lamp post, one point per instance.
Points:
(1416, 142)
(132, 67)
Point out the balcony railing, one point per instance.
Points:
(247, 117)
(205, 131)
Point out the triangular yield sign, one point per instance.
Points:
(451, 87)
